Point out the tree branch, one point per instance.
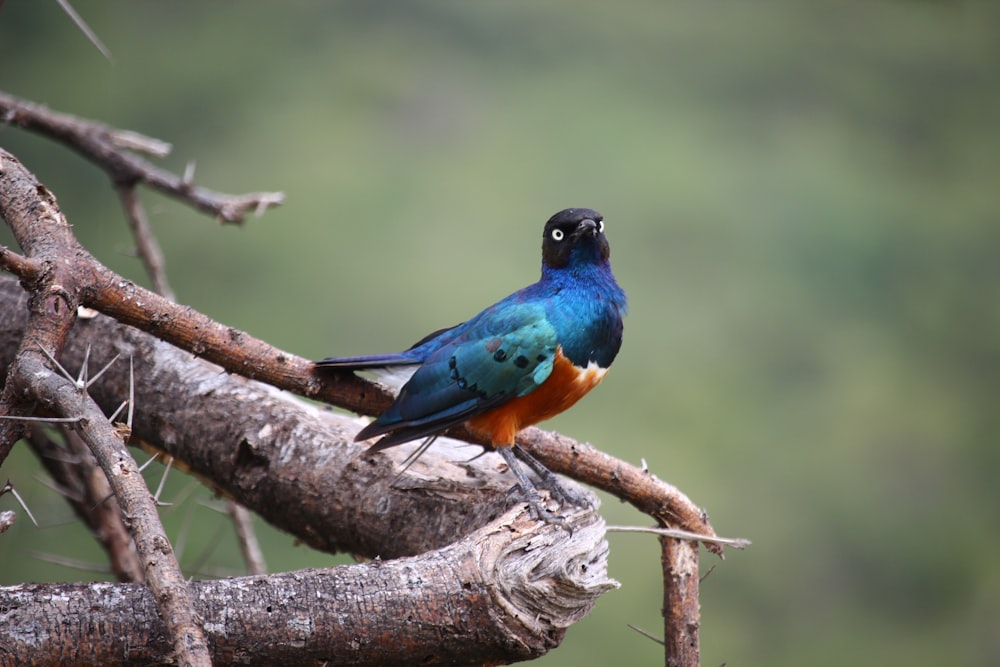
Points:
(503, 593)
(109, 149)
(247, 538)
(146, 245)
(681, 607)
(84, 485)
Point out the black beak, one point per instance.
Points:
(586, 227)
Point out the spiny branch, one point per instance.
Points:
(85, 487)
(110, 148)
(32, 386)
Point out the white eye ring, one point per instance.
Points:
(558, 234)
(600, 226)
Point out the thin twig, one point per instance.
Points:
(140, 143)
(735, 542)
(247, 537)
(163, 482)
(646, 633)
(90, 381)
(145, 241)
(9, 488)
(47, 420)
(72, 563)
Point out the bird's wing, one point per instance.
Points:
(504, 352)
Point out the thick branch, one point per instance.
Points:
(493, 597)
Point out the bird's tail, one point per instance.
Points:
(371, 361)
(393, 370)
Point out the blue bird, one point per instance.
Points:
(524, 359)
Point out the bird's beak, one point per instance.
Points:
(587, 227)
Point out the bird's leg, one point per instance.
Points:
(550, 481)
(528, 489)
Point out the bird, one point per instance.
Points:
(523, 360)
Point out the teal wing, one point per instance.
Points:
(506, 351)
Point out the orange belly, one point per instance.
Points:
(565, 386)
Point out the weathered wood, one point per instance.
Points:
(504, 593)
(681, 606)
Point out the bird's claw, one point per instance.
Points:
(536, 507)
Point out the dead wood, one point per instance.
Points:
(504, 593)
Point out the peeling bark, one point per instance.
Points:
(506, 592)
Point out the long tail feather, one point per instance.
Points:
(369, 361)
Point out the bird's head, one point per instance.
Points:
(574, 236)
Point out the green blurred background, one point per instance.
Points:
(803, 201)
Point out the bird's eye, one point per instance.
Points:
(600, 226)
(558, 234)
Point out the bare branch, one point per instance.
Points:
(247, 538)
(504, 593)
(735, 542)
(28, 269)
(681, 607)
(162, 571)
(86, 489)
(103, 145)
(146, 245)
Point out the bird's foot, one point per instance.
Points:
(564, 494)
(528, 492)
(518, 494)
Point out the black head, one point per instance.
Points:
(574, 236)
